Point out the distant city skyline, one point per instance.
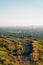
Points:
(21, 12)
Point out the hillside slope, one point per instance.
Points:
(17, 51)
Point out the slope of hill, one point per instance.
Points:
(21, 51)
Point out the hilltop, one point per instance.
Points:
(21, 51)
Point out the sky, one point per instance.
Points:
(21, 12)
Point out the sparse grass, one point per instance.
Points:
(8, 48)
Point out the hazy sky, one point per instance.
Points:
(21, 12)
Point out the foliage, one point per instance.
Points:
(12, 49)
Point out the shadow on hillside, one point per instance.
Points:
(28, 49)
